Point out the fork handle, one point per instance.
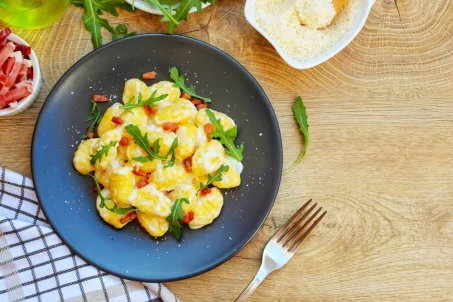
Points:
(262, 273)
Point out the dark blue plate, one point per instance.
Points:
(67, 197)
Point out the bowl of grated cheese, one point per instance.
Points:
(302, 47)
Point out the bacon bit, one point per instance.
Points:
(185, 95)
(188, 217)
(129, 217)
(14, 95)
(8, 66)
(197, 102)
(100, 98)
(138, 172)
(28, 63)
(124, 141)
(117, 120)
(30, 74)
(22, 76)
(188, 164)
(142, 184)
(25, 50)
(205, 191)
(14, 72)
(149, 110)
(90, 134)
(4, 33)
(208, 128)
(3, 78)
(95, 189)
(202, 106)
(191, 216)
(24, 84)
(173, 127)
(149, 75)
(6, 52)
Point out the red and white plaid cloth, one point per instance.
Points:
(36, 266)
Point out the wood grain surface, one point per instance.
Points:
(380, 159)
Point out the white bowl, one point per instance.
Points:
(365, 8)
(25, 103)
(152, 9)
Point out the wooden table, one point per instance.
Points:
(380, 159)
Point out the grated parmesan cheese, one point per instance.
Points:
(284, 21)
(315, 13)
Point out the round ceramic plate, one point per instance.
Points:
(67, 197)
(153, 9)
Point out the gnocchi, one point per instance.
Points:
(144, 172)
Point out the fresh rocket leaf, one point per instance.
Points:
(175, 216)
(95, 116)
(93, 22)
(226, 137)
(121, 32)
(140, 103)
(182, 12)
(169, 2)
(180, 83)
(233, 132)
(110, 6)
(171, 162)
(143, 142)
(216, 177)
(300, 114)
(156, 146)
(129, 105)
(102, 204)
(167, 11)
(99, 153)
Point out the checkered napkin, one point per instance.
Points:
(36, 266)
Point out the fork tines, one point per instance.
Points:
(293, 233)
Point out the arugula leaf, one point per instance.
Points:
(143, 142)
(78, 3)
(129, 105)
(176, 215)
(216, 177)
(171, 162)
(102, 204)
(300, 114)
(110, 6)
(168, 16)
(95, 116)
(99, 153)
(226, 138)
(140, 103)
(182, 12)
(93, 22)
(121, 32)
(180, 83)
(233, 132)
(169, 2)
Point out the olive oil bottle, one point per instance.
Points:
(32, 14)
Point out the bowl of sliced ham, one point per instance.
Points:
(20, 75)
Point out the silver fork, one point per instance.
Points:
(284, 245)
